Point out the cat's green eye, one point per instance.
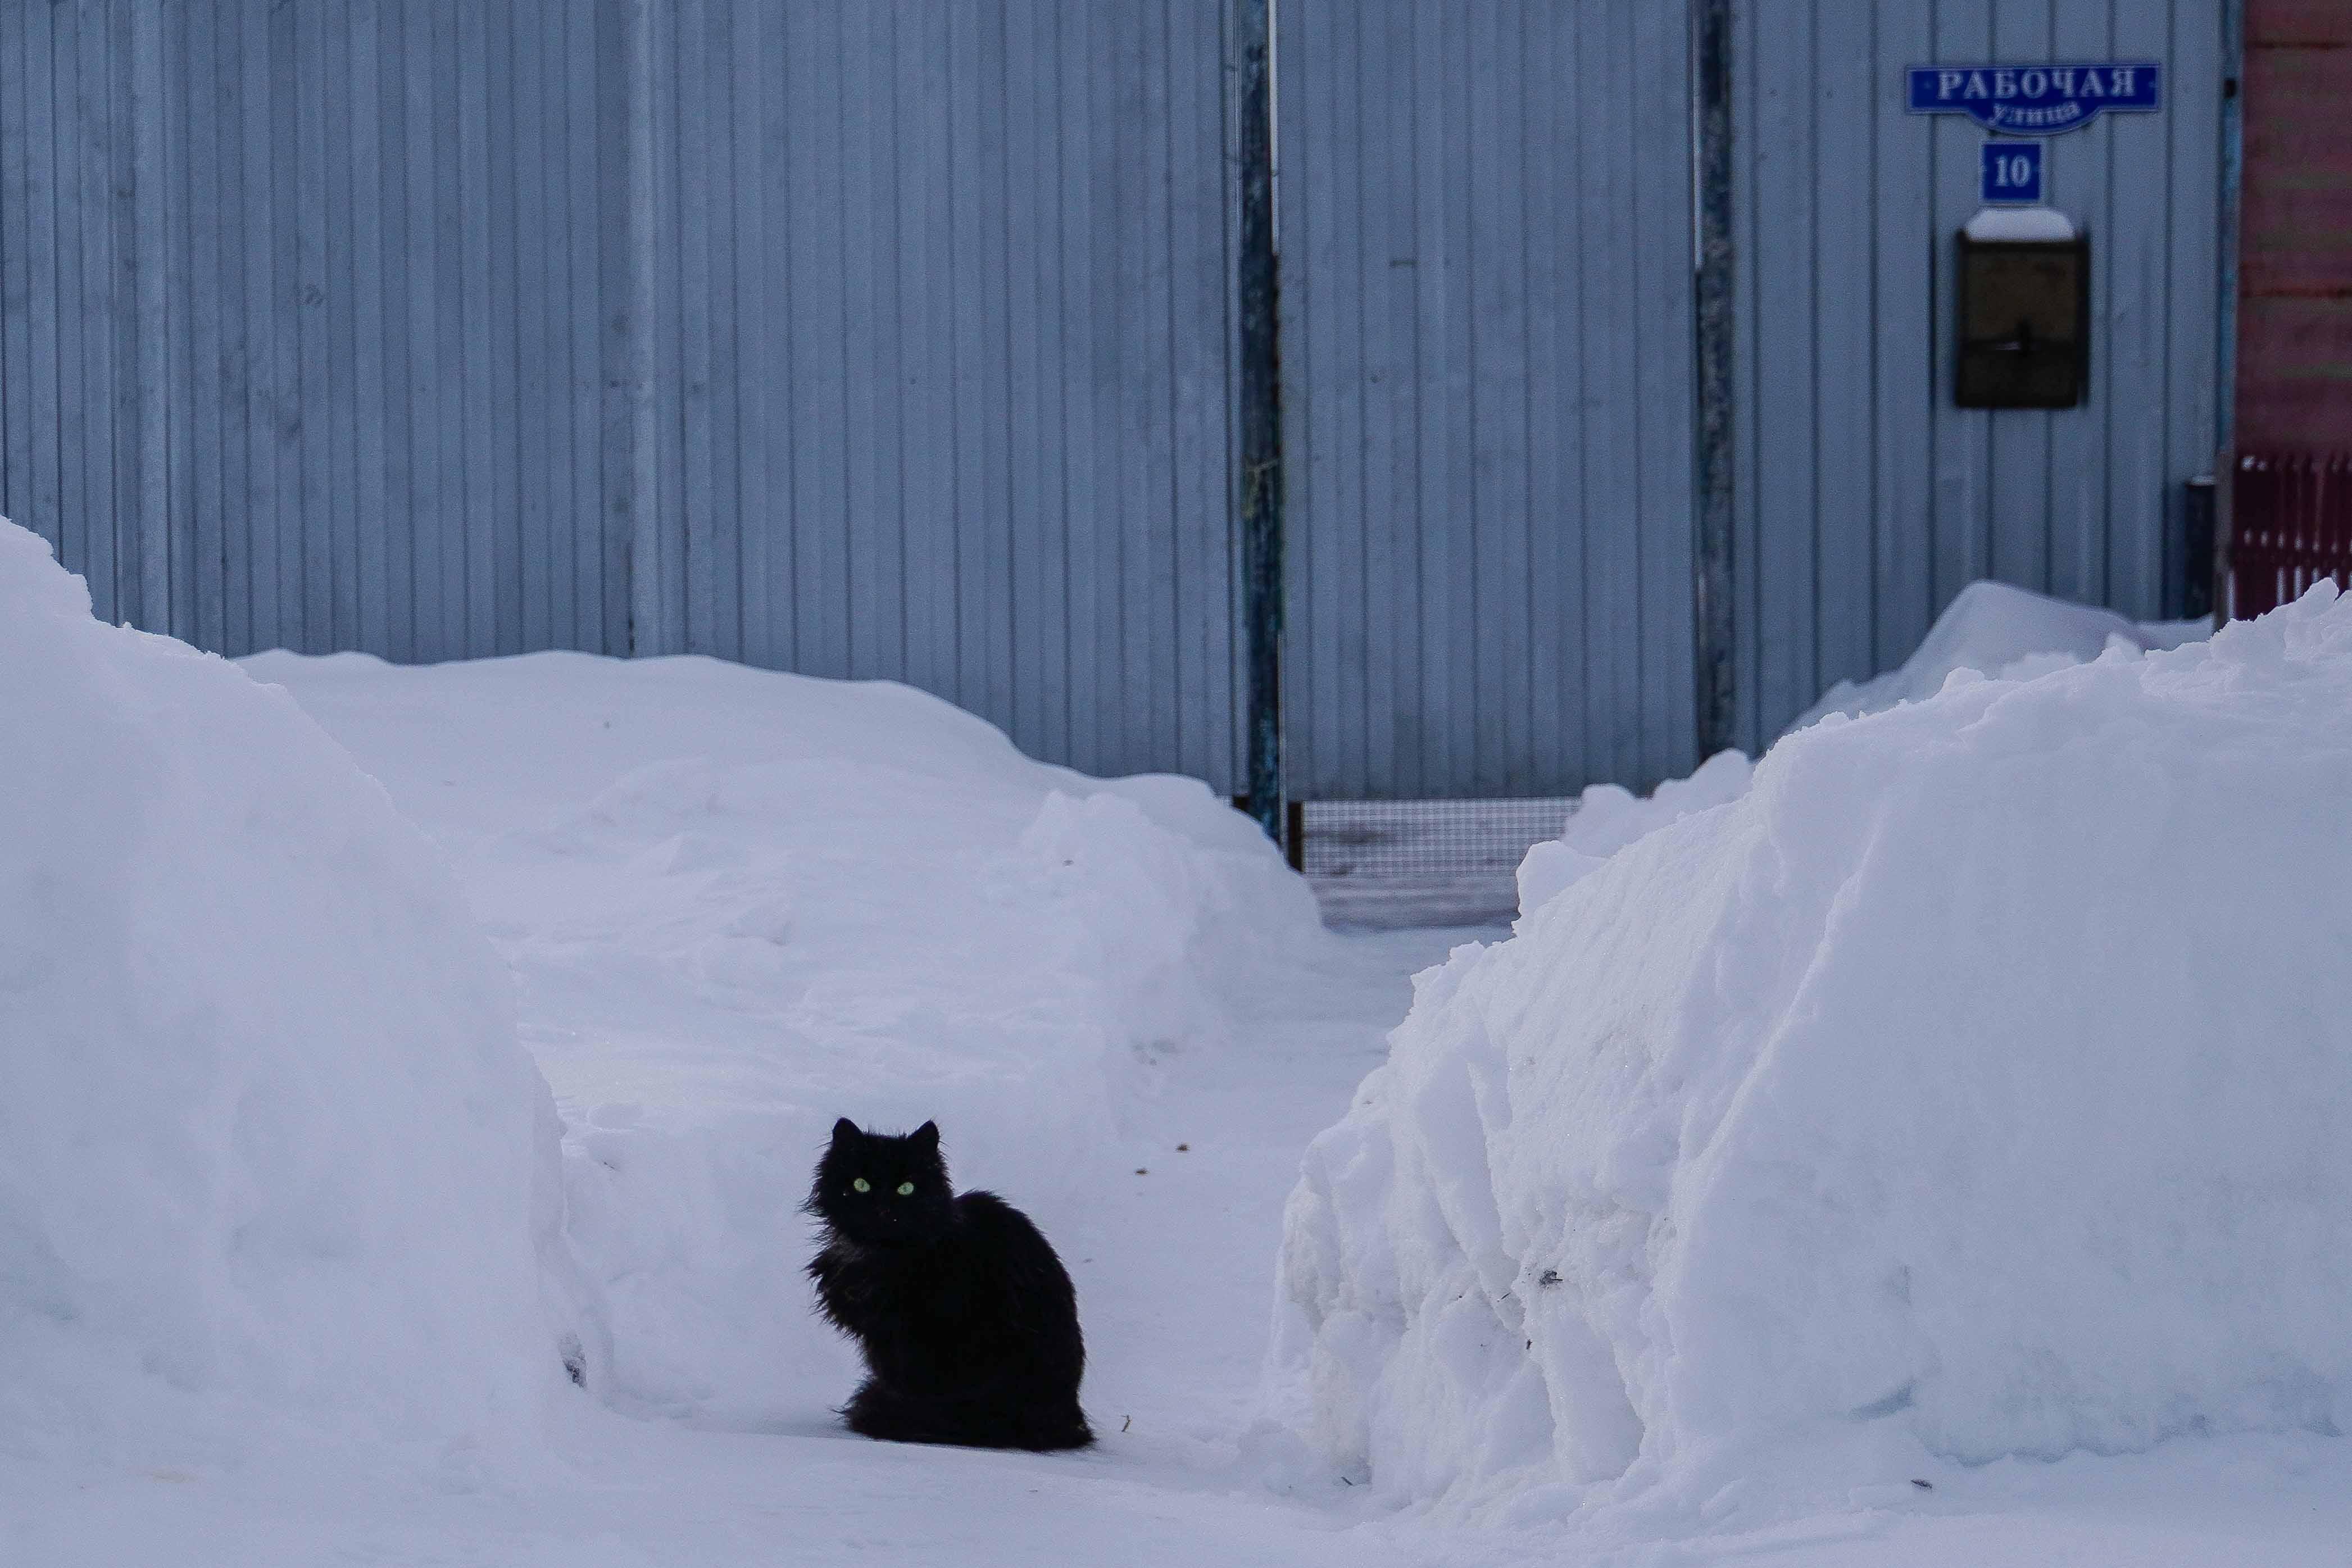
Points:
(862, 1184)
(906, 1189)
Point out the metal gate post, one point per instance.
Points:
(1712, 288)
(646, 633)
(1258, 285)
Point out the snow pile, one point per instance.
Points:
(1608, 817)
(1989, 628)
(1975, 1083)
(267, 1140)
(743, 904)
(1997, 630)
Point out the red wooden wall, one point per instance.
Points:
(2295, 306)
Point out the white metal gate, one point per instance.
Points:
(1486, 241)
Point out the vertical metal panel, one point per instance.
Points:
(362, 87)
(700, 196)
(1486, 358)
(438, 190)
(818, 346)
(85, 516)
(147, 465)
(926, 246)
(1204, 333)
(1900, 472)
(1562, 450)
(597, 593)
(234, 375)
(983, 265)
(757, 434)
(1867, 501)
(105, 308)
(500, 333)
(624, 186)
(1666, 249)
(873, 589)
(16, 304)
(1781, 169)
(479, 521)
(1386, 612)
(1081, 128)
(535, 186)
(397, 512)
(337, 270)
(1040, 715)
(276, 139)
(175, 509)
(316, 499)
(37, 493)
(1606, 200)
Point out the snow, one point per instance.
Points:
(1608, 817)
(2020, 223)
(728, 905)
(740, 905)
(1967, 1091)
(2009, 632)
(271, 1158)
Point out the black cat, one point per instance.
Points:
(966, 1316)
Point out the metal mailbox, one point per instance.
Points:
(2024, 322)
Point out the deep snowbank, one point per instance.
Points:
(2008, 633)
(1977, 1081)
(743, 904)
(266, 1137)
(1989, 628)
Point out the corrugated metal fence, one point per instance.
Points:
(875, 340)
(895, 339)
(304, 342)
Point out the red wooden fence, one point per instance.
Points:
(2290, 525)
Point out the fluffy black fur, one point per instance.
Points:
(966, 1316)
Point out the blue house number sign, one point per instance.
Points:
(2009, 174)
(2037, 100)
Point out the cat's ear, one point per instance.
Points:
(845, 1131)
(926, 1137)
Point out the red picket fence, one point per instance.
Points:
(2290, 525)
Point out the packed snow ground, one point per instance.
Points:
(734, 904)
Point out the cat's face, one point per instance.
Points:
(881, 1191)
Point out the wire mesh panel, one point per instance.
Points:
(1371, 840)
(1422, 862)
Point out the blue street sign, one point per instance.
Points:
(2008, 173)
(2037, 100)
